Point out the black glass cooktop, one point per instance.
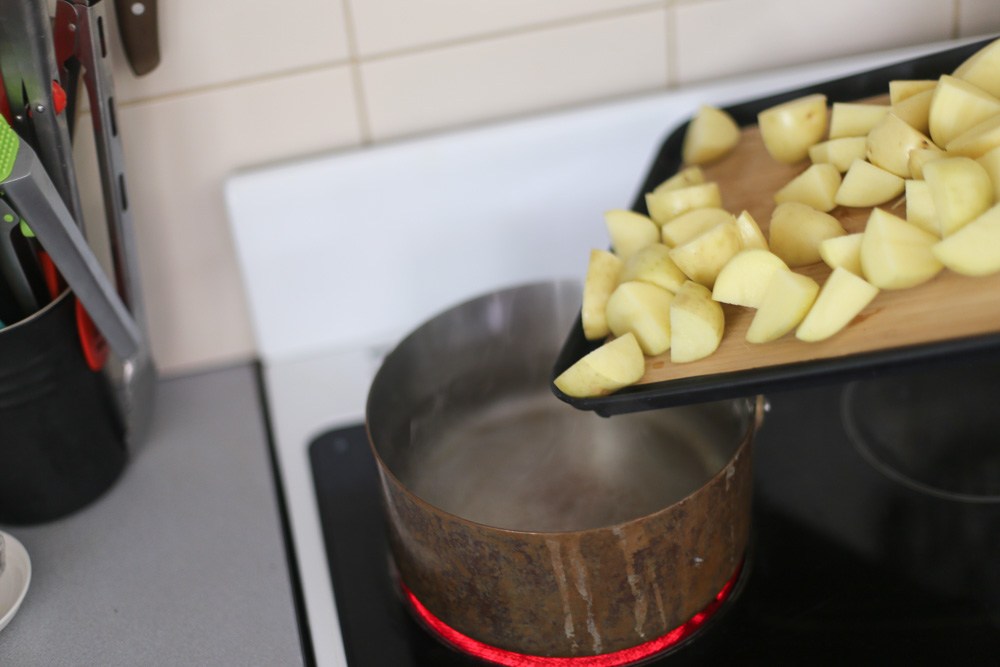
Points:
(846, 566)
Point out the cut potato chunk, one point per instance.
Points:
(900, 89)
(866, 185)
(615, 364)
(653, 265)
(961, 190)
(785, 303)
(703, 257)
(711, 134)
(600, 282)
(921, 156)
(956, 106)
(630, 232)
(644, 310)
(974, 250)
(889, 143)
(815, 187)
(920, 207)
(915, 111)
(896, 254)
(750, 234)
(744, 278)
(978, 139)
(688, 225)
(842, 297)
(696, 324)
(991, 163)
(842, 251)
(687, 176)
(797, 230)
(852, 119)
(665, 205)
(839, 152)
(981, 68)
(790, 128)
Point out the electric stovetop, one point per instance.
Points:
(846, 565)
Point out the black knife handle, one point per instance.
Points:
(139, 28)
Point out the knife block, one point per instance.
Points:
(62, 441)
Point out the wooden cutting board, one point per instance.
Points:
(948, 307)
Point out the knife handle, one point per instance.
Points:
(139, 28)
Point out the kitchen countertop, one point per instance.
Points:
(182, 561)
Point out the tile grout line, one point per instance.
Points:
(357, 82)
(540, 26)
(956, 11)
(354, 61)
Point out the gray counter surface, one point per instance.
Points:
(181, 562)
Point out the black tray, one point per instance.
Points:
(715, 386)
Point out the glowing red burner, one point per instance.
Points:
(499, 656)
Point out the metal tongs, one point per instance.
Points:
(40, 66)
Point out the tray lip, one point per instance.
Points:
(746, 382)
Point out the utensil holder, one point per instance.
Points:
(62, 441)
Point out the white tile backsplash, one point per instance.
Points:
(514, 74)
(717, 38)
(978, 17)
(243, 83)
(204, 44)
(392, 25)
(178, 153)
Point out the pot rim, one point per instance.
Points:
(754, 416)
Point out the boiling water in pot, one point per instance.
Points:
(529, 462)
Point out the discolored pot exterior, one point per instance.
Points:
(574, 593)
(578, 589)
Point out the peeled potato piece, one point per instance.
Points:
(896, 254)
(974, 250)
(956, 106)
(601, 280)
(784, 304)
(866, 185)
(843, 251)
(838, 152)
(889, 143)
(750, 234)
(981, 68)
(710, 135)
(644, 310)
(790, 128)
(744, 278)
(696, 324)
(615, 364)
(664, 205)
(920, 207)
(853, 119)
(839, 301)
(797, 230)
(977, 140)
(900, 89)
(921, 156)
(688, 225)
(961, 190)
(703, 257)
(815, 187)
(687, 176)
(630, 231)
(915, 111)
(991, 163)
(653, 265)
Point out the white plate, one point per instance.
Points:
(14, 580)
